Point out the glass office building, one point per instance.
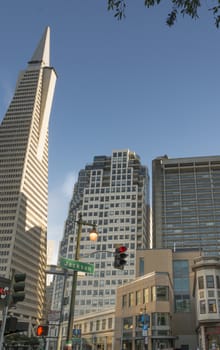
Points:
(186, 203)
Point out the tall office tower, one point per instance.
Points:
(24, 179)
(112, 192)
(186, 203)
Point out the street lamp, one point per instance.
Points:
(93, 237)
(143, 311)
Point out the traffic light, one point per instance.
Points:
(18, 293)
(120, 257)
(11, 325)
(42, 330)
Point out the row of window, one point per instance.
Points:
(109, 190)
(111, 213)
(157, 319)
(209, 306)
(96, 325)
(96, 302)
(102, 283)
(111, 198)
(111, 205)
(95, 292)
(154, 293)
(209, 281)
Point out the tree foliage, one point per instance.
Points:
(178, 7)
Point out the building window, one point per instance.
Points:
(104, 324)
(202, 294)
(160, 319)
(138, 297)
(146, 295)
(202, 307)
(141, 266)
(212, 306)
(124, 300)
(210, 281)
(160, 293)
(181, 285)
(217, 282)
(127, 323)
(131, 299)
(211, 293)
(182, 303)
(98, 325)
(201, 282)
(109, 323)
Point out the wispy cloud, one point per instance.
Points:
(58, 202)
(67, 187)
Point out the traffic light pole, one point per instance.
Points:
(69, 338)
(60, 330)
(5, 312)
(73, 294)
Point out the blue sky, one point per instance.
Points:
(133, 84)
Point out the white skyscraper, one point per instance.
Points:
(24, 180)
(113, 193)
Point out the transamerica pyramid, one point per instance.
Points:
(24, 180)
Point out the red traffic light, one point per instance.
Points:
(42, 331)
(121, 249)
(120, 257)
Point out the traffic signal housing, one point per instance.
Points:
(120, 257)
(42, 330)
(18, 293)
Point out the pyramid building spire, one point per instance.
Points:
(42, 52)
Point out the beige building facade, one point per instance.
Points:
(94, 331)
(157, 310)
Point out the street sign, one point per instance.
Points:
(77, 332)
(76, 265)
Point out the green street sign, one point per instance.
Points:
(76, 265)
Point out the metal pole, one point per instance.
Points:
(68, 345)
(60, 328)
(5, 311)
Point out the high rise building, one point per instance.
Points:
(186, 203)
(24, 180)
(113, 193)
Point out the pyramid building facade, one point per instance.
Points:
(24, 179)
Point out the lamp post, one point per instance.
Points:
(93, 237)
(145, 327)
